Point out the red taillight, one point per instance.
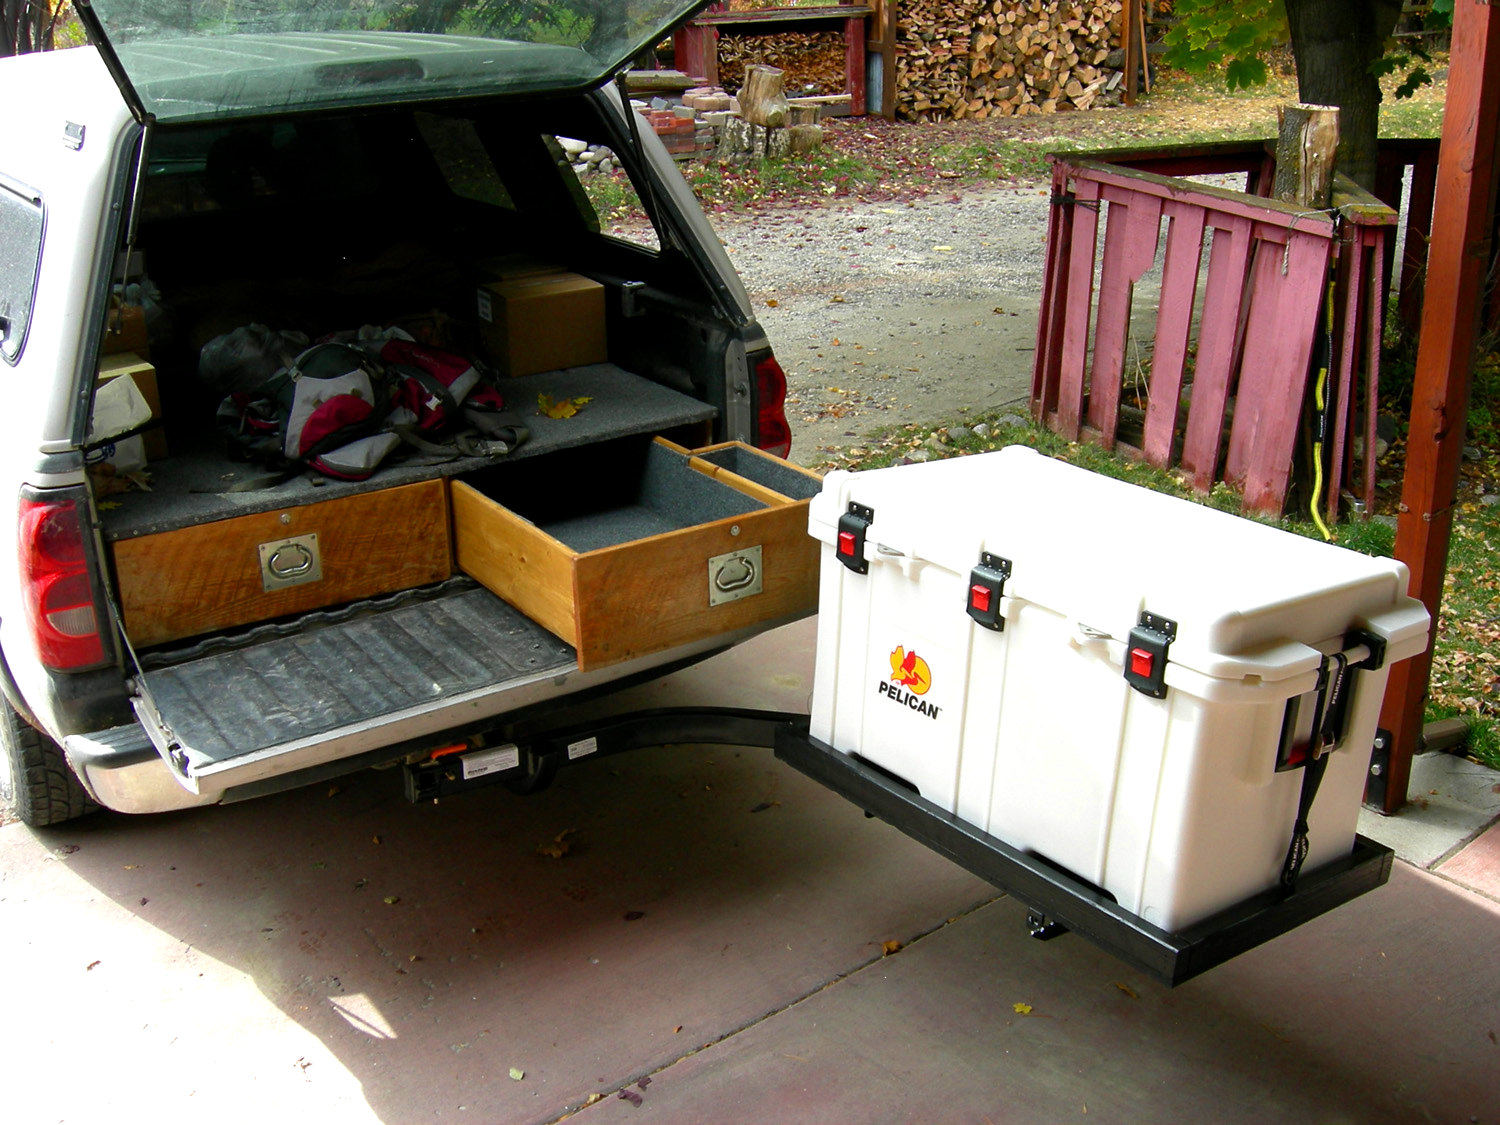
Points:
(773, 434)
(55, 584)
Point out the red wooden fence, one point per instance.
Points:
(1242, 286)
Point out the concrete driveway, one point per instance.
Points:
(710, 948)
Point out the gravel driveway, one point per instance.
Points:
(886, 313)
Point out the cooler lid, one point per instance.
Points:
(1248, 599)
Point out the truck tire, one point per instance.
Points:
(35, 781)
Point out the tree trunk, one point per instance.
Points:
(25, 26)
(1334, 42)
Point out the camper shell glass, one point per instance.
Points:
(196, 60)
(21, 223)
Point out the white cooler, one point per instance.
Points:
(1174, 788)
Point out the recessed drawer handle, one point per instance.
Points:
(290, 560)
(736, 574)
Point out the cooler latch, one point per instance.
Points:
(1146, 654)
(850, 544)
(986, 584)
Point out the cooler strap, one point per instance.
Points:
(1326, 734)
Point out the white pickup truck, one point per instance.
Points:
(196, 631)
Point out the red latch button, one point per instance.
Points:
(979, 598)
(848, 543)
(1142, 662)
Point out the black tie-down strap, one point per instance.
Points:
(1327, 731)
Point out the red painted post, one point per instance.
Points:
(854, 63)
(1418, 232)
(1461, 224)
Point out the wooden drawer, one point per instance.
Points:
(198, 579)
(633, 548)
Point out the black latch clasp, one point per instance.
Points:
(850, 544)
(986, 585)
(1146, 654)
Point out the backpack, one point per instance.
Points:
(343, 408)
(327, 411)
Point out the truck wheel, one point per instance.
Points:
(35, 781)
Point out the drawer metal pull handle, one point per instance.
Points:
(736, 574)
(290, 562)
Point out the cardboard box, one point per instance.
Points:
(541, 323)
(132, 366)
(511, 267)
(125, 330)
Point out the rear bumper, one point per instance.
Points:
(122, 771)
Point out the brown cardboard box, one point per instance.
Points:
(132, 366)
(541, 323)
(125, 330)
(509, 267)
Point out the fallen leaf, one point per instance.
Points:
(944, 249)
(559, 847)
(391, 900)
(634, 915)
(1021, 1008)
(644, 1082)
(1127, 990)
(375, 839)
(632, 1097)
(562, 407)
(764, 805)
(144, 901)
(89, 968)
(772, 302)
(889, 947)
(592, 1098)
(837, 299)
(335, 790)
(516, 1074)
(678, 1031)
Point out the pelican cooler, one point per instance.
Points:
(1168, 705)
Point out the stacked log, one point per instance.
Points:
(989, 58)
(812, 61)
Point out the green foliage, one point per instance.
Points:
(1234, 34)
(1237, 35)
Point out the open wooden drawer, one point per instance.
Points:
(639, 546)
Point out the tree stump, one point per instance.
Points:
(1307, 136)
(762, 98)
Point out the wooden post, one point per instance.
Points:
(1307, 136)
(1461, 225)
(1128, 15)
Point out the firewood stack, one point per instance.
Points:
(1001, 58)
(811, 60)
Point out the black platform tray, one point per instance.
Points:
(1061, 903)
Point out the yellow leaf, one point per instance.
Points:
(1127, 990)
(1022, 1009)
(562, 407)
(516, 1074)
(772, 302)
(889, 947)
(944, 249)
(559, 847)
